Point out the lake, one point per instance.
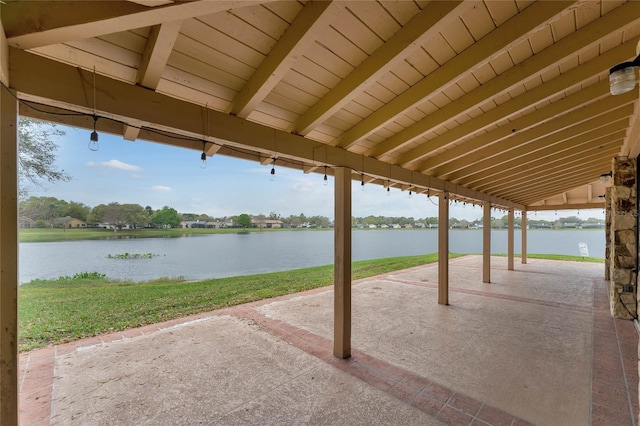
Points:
(224, 255)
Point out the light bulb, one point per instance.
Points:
(93, 138)
(325, 180)
(203, 160)
(388, 191)
(272, 176)
(410, 193)
(362, 183)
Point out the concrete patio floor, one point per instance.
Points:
(536, 346)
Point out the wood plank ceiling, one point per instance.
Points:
(505, 98)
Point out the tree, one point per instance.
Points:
(77, 210)
(36, 155)
(244, 220)
(43, 208)
(121, 215)
(167, 217)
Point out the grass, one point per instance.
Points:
(87, 304)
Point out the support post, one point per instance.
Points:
(486, 242)
(510, 241)
(8, 259)
(524, 237)
(342, 264)
(443, 249)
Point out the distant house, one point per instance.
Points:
(396, 226)
(572, 225)
(266, 223)
(433, 226)
(69, 222)
(372, 226)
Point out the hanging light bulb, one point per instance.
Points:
(410, 193)
(203, 156)
(325, 180)
(93, 139)
(272, 177)
(362, 182)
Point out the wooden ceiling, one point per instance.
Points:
(503, 101)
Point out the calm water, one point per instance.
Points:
(224, 255)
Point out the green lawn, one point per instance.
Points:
(71, 308)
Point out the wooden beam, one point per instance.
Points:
(301, 34)
(531, 171)
(48, 82)
(4, 57)
(8, 259)
(423, 26)
(497, 41)
(486, 242)
(443, 248)
(539, 94)
(156, 53)
(76, 27)
(342, 264)
(553, 132)
(581, 206)
(131, 132)
(544, 160)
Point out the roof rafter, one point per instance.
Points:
(156, 53)
(64, 86)
(524, 128)
(544, 158)
(539, 94)
(405, 41)
(507, 34)
(556, 130)
(126, 18)
(535, 170)
(551, 185)
(298, 38)
(582, 39)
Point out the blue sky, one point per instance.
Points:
(153, 174)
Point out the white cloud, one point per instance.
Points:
(160, 188)
(115, 164)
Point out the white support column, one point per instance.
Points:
(486, 242)
(443, 249)
(510, 241)
(524, 237)
(8, 259)
(342, 264)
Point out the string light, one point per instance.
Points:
(325, 180)
(272, 177)
(410, 193)
(203, 156)
(93, 138)
(362, 182)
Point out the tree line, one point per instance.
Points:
(42, 212)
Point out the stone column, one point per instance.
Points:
(622, 288)
(607, 235)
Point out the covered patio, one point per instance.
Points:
(503, 104)
(537, 346)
